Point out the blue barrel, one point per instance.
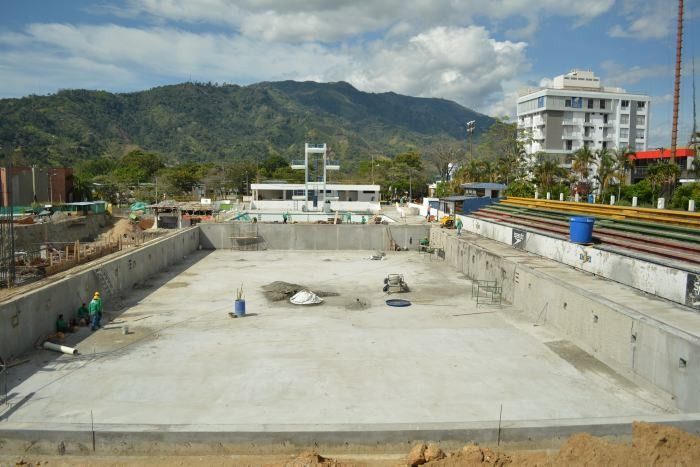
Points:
(581, 229)
(239, 307)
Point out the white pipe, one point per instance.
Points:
(60, 348)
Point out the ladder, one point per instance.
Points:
(106, 285)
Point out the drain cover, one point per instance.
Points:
(398, 302)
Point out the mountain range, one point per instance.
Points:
(211, 122)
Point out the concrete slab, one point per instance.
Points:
(441, 360)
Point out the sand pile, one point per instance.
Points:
(357, 304)
(311, 458)
(651, 445)
(124, 229)
(280, 290)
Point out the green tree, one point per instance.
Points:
(82, 189)
(239, 175)
(138, 166)
(662, 175)
(521, 188)
(624, 158)
(272, 163)
(500, 140)
(685, 193)
(583, 159)
(411, 159)
(607, 169)
(183, 178)
(94, 167)
(547, 172)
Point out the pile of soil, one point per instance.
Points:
(279, 290)
(146, 223)
(651, 445)
(357, 304)
(124, 229)
(311, 458)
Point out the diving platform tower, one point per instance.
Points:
(316, 166)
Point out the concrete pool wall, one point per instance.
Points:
(27, 317)
(317, 236)
(642, 337)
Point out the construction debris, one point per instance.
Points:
(378, 256)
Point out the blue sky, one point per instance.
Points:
(476, 52)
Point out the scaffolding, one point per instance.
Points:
(7, 235)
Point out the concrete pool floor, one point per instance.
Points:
(441, 360)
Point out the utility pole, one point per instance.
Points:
(677, 82)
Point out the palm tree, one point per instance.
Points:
(606, 169)
(662, 173)
(471, 172)
(547, 172)
(583, 158)
(625, 163)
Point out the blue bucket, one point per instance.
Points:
(581, 229)
(239, 307)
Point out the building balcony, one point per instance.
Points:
(589, 124)
(332, 165)
(299, 164)
(571, 136)
(570, 123)
(588, 137)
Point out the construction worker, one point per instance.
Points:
(285, 216)
(61, 325)
(83, 315)
(95, 309)
(459, 226)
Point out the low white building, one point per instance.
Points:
(294, 197)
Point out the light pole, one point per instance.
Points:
(471, 126)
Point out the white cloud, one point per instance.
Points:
(646, 19)
(328, 21)
(616, 74)
(463, 64)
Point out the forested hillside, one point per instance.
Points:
(195, 122)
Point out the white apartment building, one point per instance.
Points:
(578, 111)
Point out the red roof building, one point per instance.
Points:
(643, 159)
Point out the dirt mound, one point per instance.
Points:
(357, 304)
(124, 229)
(473, 455)
(651, 445)
(146, 223)
(311, 458)
(279, 290)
